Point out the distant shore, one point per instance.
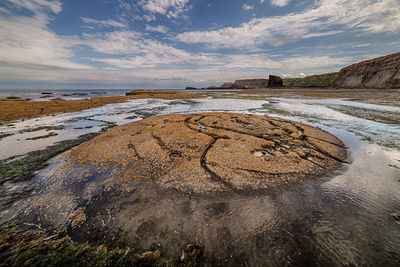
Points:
(380, 96)
(15, 108)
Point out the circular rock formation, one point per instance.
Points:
(211, 152)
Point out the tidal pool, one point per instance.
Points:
(345, 218)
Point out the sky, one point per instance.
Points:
(127, 44)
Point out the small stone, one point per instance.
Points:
(78, 217)
(155, 254)
(396, 216)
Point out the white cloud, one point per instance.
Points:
(159, 28)
(105, 23)
(30, 51)
(361, 45)
(247, 7)
(214, 70)
(37, 6)
(280, 3)
(365, 16)
(134, 50)
(170, 8)
(27, 40)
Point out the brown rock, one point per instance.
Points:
(211, 152)
(77, 218)
(382, 72)
(275, 81)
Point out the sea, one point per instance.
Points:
(42, 94)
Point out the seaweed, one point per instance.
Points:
(237, 96)
(38, 249)
(40, 128)
(4, 135)
(23, 168)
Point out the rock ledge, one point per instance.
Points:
(211, 152)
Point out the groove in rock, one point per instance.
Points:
(323, 152)
(203, 163)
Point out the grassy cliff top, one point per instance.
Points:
(322, 80)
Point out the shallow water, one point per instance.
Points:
(342, 219)
(36, 95)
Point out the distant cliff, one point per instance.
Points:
(381, 72)
(322, 80)
(250, 83)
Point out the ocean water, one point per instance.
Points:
(37, 93)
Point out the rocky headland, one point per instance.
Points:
(319, 81)
(250, 83)
(378, 73)
(381, 72)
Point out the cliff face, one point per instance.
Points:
(321, 80)
(382, 72)
(251, 83)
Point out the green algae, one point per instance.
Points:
(23, 168)
(238, 96)
(272, 109)
(40, 128)
(147, 113)
(322, 80)
(38, 249)
(183, 102)
(367, 114)
(4, 135)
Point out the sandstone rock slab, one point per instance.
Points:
(211, 152)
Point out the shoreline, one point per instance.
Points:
(380, 96)
(14, 109)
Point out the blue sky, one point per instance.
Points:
(128, 44)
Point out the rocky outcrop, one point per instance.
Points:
(320, 80)
(229, 86)
(211, 152)
(382, 72)
(243, 84)
(275, 81)
(179, 177)
(250, 83)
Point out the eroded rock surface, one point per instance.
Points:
(211, 152)
(381, 72)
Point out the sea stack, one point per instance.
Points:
(275, 81)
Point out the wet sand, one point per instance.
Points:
(13, 109)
